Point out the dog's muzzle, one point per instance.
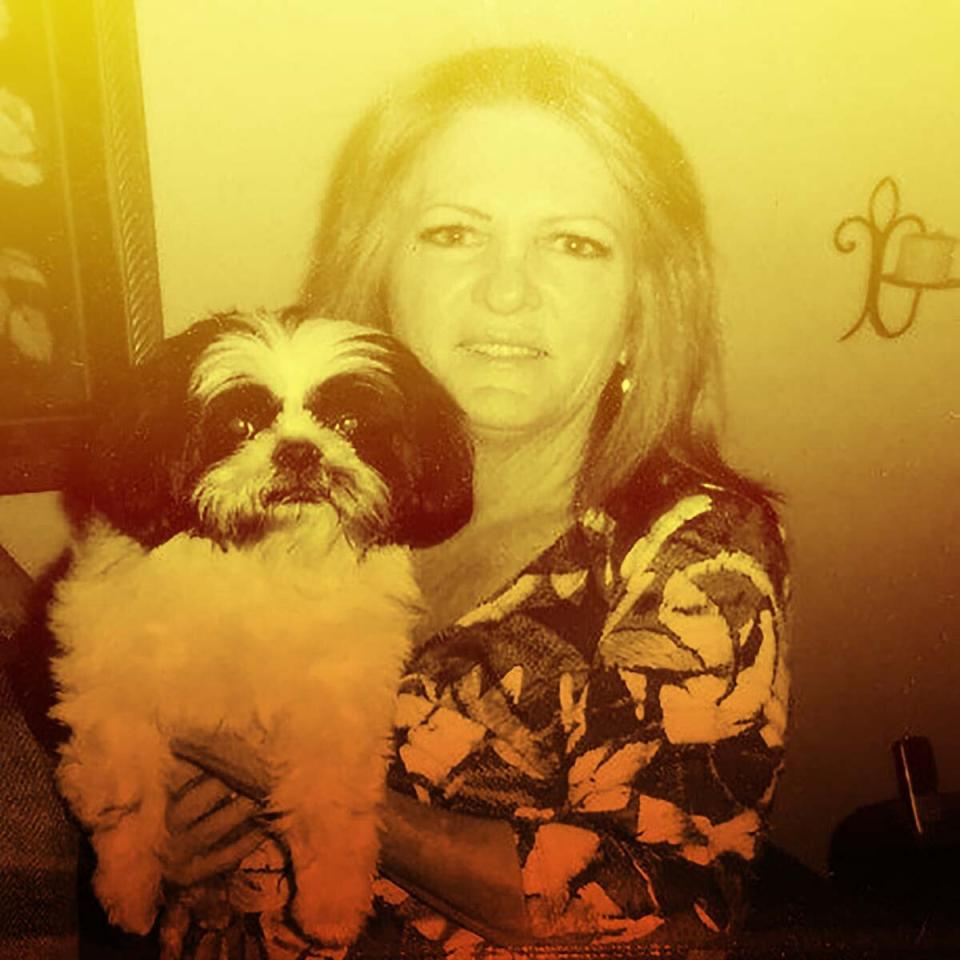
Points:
(301, 474)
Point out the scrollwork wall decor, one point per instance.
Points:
(924, 262)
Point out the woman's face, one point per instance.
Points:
(510, 278)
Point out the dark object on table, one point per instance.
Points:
(899, 858)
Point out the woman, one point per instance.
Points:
(591, 725)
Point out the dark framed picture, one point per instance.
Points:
(79, 291)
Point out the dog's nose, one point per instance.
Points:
(297, 455)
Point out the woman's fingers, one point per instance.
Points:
(210, 828)
(220, 821)
(196, 800)
(218, 860)
(181, 774)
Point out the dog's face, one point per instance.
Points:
(292, 418)
(244, 424)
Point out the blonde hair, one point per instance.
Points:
(672, 360)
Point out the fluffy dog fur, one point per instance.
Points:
(242, 566)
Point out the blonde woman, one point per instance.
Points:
(591, 725)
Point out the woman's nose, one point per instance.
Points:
(507, 284)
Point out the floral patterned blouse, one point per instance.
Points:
(622, 704)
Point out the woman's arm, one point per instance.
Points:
(466, 867)
(677, 742)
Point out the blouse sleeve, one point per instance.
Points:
(674, 737)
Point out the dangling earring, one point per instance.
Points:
(626, 384)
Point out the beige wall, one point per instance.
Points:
(791, 112)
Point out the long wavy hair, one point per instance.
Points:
(672, 359)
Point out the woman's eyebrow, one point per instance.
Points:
(460, 208)
(588, 218)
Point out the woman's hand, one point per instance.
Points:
(211, 827)
(220, 862)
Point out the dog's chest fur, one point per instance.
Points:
(243, 638)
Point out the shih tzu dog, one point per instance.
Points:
(242, 566)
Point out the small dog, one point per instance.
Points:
(242, 566)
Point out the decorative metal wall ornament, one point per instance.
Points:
(924, 262)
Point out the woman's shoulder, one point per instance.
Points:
(713, 510)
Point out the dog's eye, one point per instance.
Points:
(346, 425)
(241, 427)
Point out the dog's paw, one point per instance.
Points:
(330, 930)
(336, 937)
(332, 916)
(134, 912)
(130, 894)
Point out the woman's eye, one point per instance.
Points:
(241, 427)
(451, 235)
(346, 426)
(576, 245)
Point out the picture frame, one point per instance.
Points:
(79, 284)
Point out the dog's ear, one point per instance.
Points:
(141, 453)
(433, 497)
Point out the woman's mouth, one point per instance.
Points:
(498, 350)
